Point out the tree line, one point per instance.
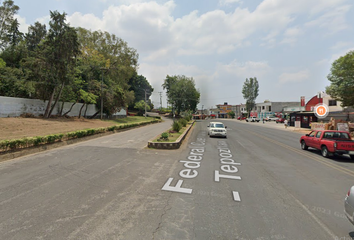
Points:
(66, 64)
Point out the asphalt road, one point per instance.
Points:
(256, 184)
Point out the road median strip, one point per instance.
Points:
(170, 145)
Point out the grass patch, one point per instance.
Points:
(130, 119)
(117, 124)
(172, 137)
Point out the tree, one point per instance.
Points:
(108, 59)
(141, 106)
(250, 93)
(60, 50)
(342, 80)
(231, 114)
(7, 25)
(36, 34)
(139, 84)
(181, 93)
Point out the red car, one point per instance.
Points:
(241, 118)
(330, 142)
(280, 120)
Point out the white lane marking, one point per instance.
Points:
(236, 196)
(240, 144)
(324, 227)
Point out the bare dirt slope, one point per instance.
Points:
(16, 128)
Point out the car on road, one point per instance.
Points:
(269, 119)
(280, 120)
(252, 119)
(241, 118)
(217, 129)
(329, 142)
(349, 205)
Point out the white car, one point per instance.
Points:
(252, 119)
(217, 129)
(269, 119)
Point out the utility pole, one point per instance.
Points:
(145, 101)
(102, 94)
(202, 111)
(160, 101)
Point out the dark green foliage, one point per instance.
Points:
(183, 122)
(181, 93)
(250, 93)
(164, 136)
(342, 80)
(176, 126)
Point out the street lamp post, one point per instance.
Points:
(102, 94)
(202, 111)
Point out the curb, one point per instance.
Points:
(44, 147)
(170, 145)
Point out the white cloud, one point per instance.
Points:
(23, 25)
(228, 2)
(291, 35)
(341, 53)
(244, 70)
(322, 62)
(341, 45)
(294, 77)
(333, 20)
(88, 21)
(151, 28)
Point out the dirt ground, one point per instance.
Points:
(16, 128)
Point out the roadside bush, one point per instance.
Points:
(176, 126)
(37, 140)
(183, 122)
(188, 118)
(164, 136)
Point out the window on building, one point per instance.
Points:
(263, 107)
(269, 108)
(332, 102)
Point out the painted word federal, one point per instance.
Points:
(190, 166)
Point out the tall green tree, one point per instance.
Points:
(61, 47)
(181, 93)
(111, 61)
(250, 93)
(139, 84)
(36, 34)
(342, 80)
(7, 22)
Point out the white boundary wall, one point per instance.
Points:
(14, 107)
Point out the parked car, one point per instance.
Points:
(349, 205)
(217, 129)
(252, 119)
(241, 118)
(280, 120)
(269, 119)
(330, 142)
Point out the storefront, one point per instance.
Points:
(305, 118)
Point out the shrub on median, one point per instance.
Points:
(176, 126)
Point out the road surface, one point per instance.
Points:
(255, 184)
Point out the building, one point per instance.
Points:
(223, 110)
(268, 108)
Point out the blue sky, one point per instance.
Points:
(288, 45)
